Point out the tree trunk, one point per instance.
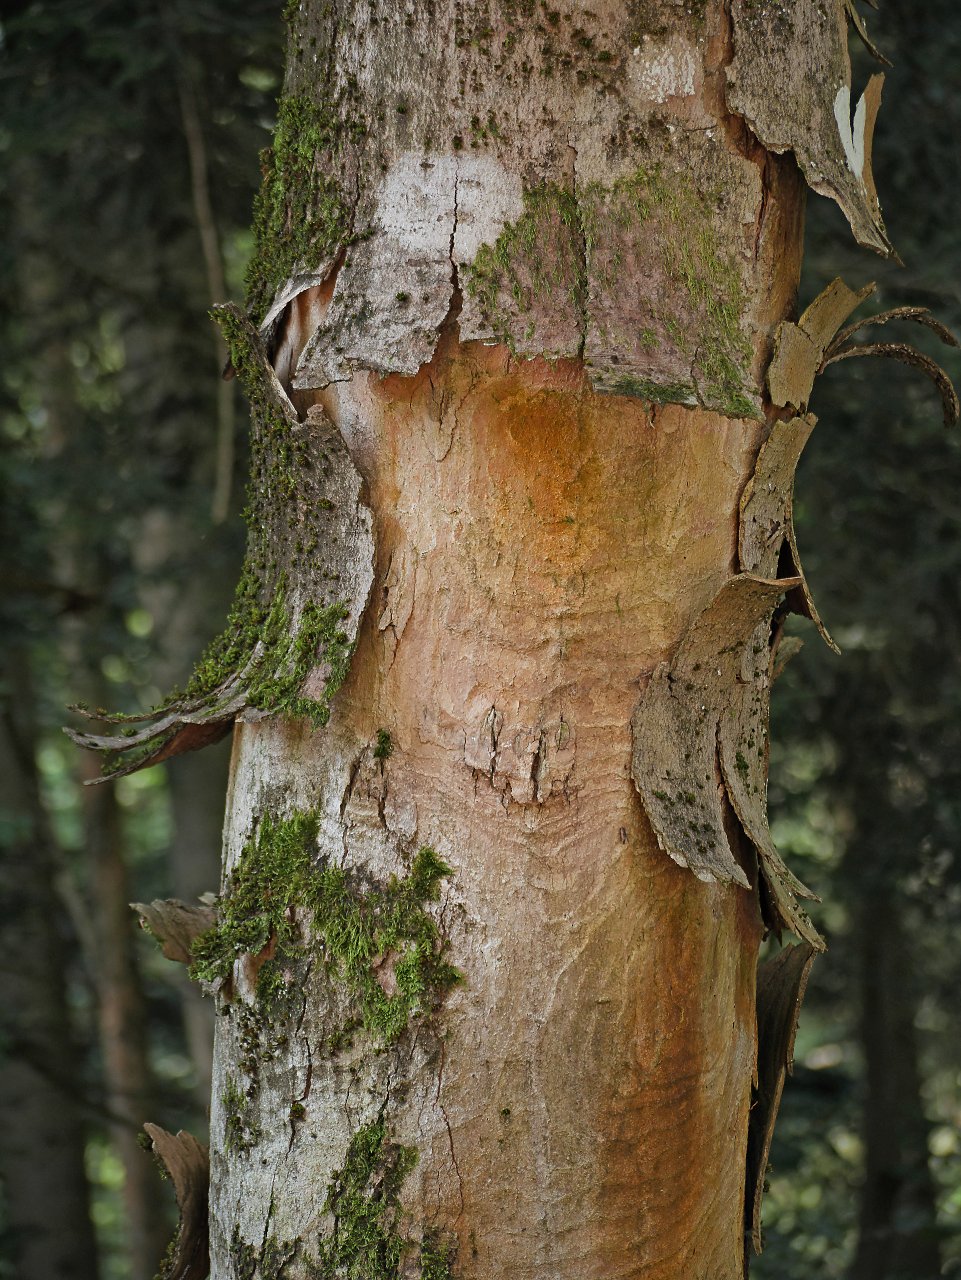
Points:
(897, 1223)
(578, 1103)
(47, 1227)
(486, 955)
(122, 1022)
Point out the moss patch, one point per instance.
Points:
(363, 1197)
(540, 256)
(274, 649)
(377, 939)
(301, 217)
(708, 319)
(436, 1257)
(288, 620)
(240, 1131)
(365, 1243)
(654, 227)
(267, 1262)
(655, 392)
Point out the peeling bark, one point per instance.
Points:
(186, 1163)
(805, 349)
(304, 585)
(628, 173)
(781, 981)
(790, 79)
(175, 924)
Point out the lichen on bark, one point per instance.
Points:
(569, 250)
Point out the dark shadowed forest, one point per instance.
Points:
(129, 142)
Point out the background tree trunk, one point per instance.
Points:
(46, 1209)
(897, 1225)
(121, 1016)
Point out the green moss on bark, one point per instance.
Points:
(581, 243)
(300, 215)
(264, 642)
(365, 1242)
(539, 256)
(377, 939)
(363, 1198)
(240, 1131)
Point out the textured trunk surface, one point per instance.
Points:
(519, 271)
(597, 1059)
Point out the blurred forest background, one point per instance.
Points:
(129, 137)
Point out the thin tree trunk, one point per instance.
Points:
(897, 1222)
(48, 1231)
(197, 787)
(897, 1218)
(216, 286)
(128, 1082)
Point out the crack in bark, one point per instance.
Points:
(539, 765)
(583, 305)
(450, 1135)
(346, 798)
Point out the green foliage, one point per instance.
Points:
(361, 932)
(113, 569)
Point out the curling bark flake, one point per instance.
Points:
(527, 265)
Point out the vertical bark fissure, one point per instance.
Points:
(583, 291)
